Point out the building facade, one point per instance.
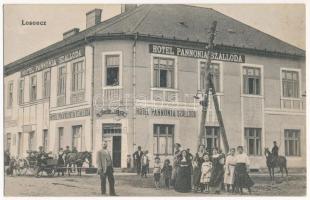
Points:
(130, 80)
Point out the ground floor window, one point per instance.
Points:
(211, 138)
(61, 138)
(292, 142)
(163, 139)
(20, 143)
(76, 137)
(45, 140)
(31, 146)
(253, 141)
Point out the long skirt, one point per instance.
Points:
(229, 179)
(183, 179)
(242, 178)
(196, 176)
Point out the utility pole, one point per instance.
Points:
(209, 85)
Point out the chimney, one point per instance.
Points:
(93, 17)
(128, 7)
(70, 33)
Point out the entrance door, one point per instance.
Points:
(117, 144)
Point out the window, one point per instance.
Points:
(76, 137)
(111, 129)
(251, 80)
(33, 88)
(78, 76)
(163, 139)
(8, 141)
(253, 141)
(31, 141)
(45, 140)
(10, 95)
(292, 142)
(46, 84)
(61, 81)
(215, 69)
(290, 84)
(21, 91)
(113, 66)
(61, 138)
(212, 137)
(163, 72)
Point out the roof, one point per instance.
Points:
(180, 22)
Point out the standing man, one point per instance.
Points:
(41, 160)
(137, 159)
(105, 169)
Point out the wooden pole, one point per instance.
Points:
(206, 81)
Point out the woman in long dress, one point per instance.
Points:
(217, 174)
(183, 178)
(197, 162)
(230, 164)
(242, 178)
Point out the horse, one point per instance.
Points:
(77, 159)
(273, 162)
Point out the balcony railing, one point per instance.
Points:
(61, 100)
(77, 97)
(292, 104)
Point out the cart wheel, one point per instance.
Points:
(50, 172)
(23, 170)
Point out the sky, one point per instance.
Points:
(284, 21)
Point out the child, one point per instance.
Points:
(144, 164)
(167, 172)
(206, 168)
(156, 172)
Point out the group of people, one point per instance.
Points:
(209, 170)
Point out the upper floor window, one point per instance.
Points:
(46, 83)
(78, 76)
(252, 80)
(61, 88)
(290, 83)
(10, 95)
(33, 88)
(215, 70)
(21, 91)
(112, 63)
(164, 69)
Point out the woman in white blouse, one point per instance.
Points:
(242, 178)
(230, 170)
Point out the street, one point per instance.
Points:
(133, 185)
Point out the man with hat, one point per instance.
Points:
(41, 160)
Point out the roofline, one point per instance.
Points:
(12, 68)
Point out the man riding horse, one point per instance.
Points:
(275, 151)
(273, 160)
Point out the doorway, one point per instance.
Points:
(117, 145)
(111, 133)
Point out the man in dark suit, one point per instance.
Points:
(137, 159)
(275, 151)
(105, 169)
